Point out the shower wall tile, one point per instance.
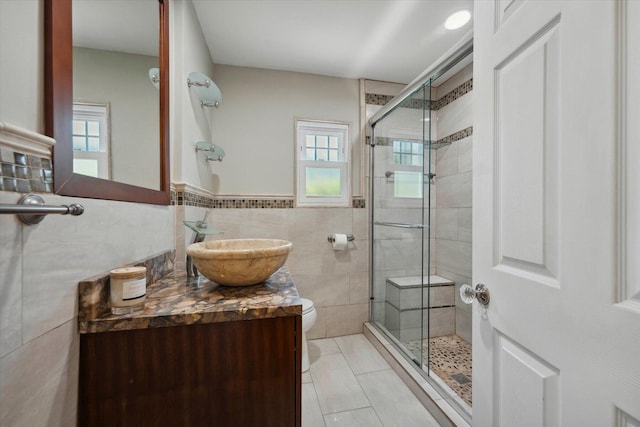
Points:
(464, 224)
(463, 325)
(456, 80)
(11, 287)
(454, 256)
(447, 160)
(465, 154)
(441, 321)
(447, 223)
(454, 191)
(459, 280)
(455, 116)
(398, 254)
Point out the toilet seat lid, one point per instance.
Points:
(307, 305)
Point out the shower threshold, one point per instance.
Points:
(436, 396)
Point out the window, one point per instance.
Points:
(91, 140)
(322, 163)
(409, 181)
(407, 153)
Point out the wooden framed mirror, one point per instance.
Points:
(60, 125)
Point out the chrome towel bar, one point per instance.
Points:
(31, 209)
(398, 224)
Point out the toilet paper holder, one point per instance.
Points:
(331, 238)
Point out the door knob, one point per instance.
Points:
(481, 293)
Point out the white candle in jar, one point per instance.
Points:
(128, 289)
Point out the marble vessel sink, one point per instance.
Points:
(239, 262)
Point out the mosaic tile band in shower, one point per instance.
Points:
(456, 136)
(463, 89)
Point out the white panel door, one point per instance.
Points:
(556, 197)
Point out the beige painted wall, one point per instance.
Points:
(121, 79)
(189, 122)
(255, 125)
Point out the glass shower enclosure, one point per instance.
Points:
(413, 301)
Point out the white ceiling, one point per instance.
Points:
(388, 40)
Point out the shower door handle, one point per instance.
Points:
(481, 293)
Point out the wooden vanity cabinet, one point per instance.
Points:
(239, 373)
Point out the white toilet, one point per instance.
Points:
(309, 316)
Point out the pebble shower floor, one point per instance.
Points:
(450, 361)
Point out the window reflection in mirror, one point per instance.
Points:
(116, 125)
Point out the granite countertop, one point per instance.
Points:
(176, 300)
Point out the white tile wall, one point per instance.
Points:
(41, 266)
(454, 191)
(40, 380)
(455, 116)
(454, 196)
(454, 256)
(11, 279)
(456, 80)
(336, 281)
(346, 319)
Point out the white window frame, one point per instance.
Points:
(314, 127)
(99, 112)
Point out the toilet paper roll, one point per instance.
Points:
(339, 242)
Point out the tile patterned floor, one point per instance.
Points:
(450, 361)
(350, 384)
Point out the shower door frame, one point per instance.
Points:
(454, 56)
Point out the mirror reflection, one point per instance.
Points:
(116, 100)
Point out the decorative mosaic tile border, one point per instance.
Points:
(456, 93)
(188, 198)
(375, 99)
(447, 140)
(358, 203)
(25, 173)
(459, 91)
(456, 136)
(25, 160)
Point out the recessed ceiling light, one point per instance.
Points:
(457, 20)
